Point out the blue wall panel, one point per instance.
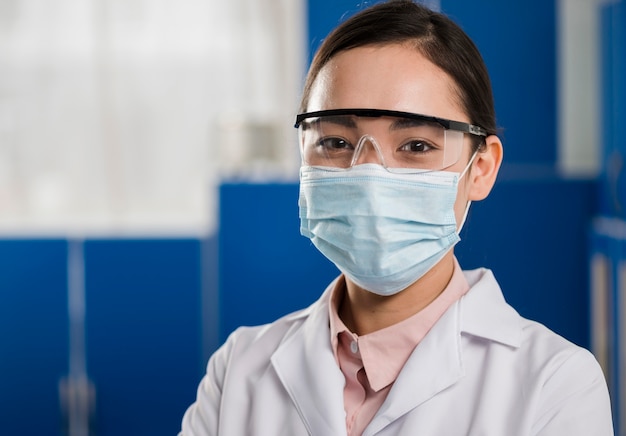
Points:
(517, 40)
(266, 268)
(324, 15)
(33, 335)
(533, 235)
(143, 332)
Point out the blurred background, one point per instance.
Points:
(148, 191)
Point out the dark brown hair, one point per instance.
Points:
(433, 34)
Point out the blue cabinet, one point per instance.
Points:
(143, 330)
(33, 335)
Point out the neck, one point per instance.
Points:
(364, 312)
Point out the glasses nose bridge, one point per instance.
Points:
(365, 154)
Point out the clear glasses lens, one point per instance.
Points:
(342, 141)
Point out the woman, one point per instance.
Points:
(398, 136)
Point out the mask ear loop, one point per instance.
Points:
(469, 202)
(469, 164)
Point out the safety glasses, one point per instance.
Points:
(342, 138)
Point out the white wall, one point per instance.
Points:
(120, 116)
(579, 87)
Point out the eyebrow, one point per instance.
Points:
(340, 120)
(407, 123)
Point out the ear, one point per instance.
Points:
(485, 169)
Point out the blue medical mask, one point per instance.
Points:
(383, 230)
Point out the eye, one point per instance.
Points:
(334, 144)
(417, 146)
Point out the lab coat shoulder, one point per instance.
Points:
(259, 342)
(555, 386)
(572, 396)
(241, 377)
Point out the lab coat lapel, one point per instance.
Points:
(434, 365)
(437, 361)
(307, 368)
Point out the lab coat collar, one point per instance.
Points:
(307, 368)
(485, 313)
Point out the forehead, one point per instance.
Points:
(395, 77)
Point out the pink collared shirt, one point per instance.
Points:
(372, 362)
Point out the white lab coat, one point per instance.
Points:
(482, 370)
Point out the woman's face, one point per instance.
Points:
(393, 77)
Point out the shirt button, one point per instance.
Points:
(354, 347)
